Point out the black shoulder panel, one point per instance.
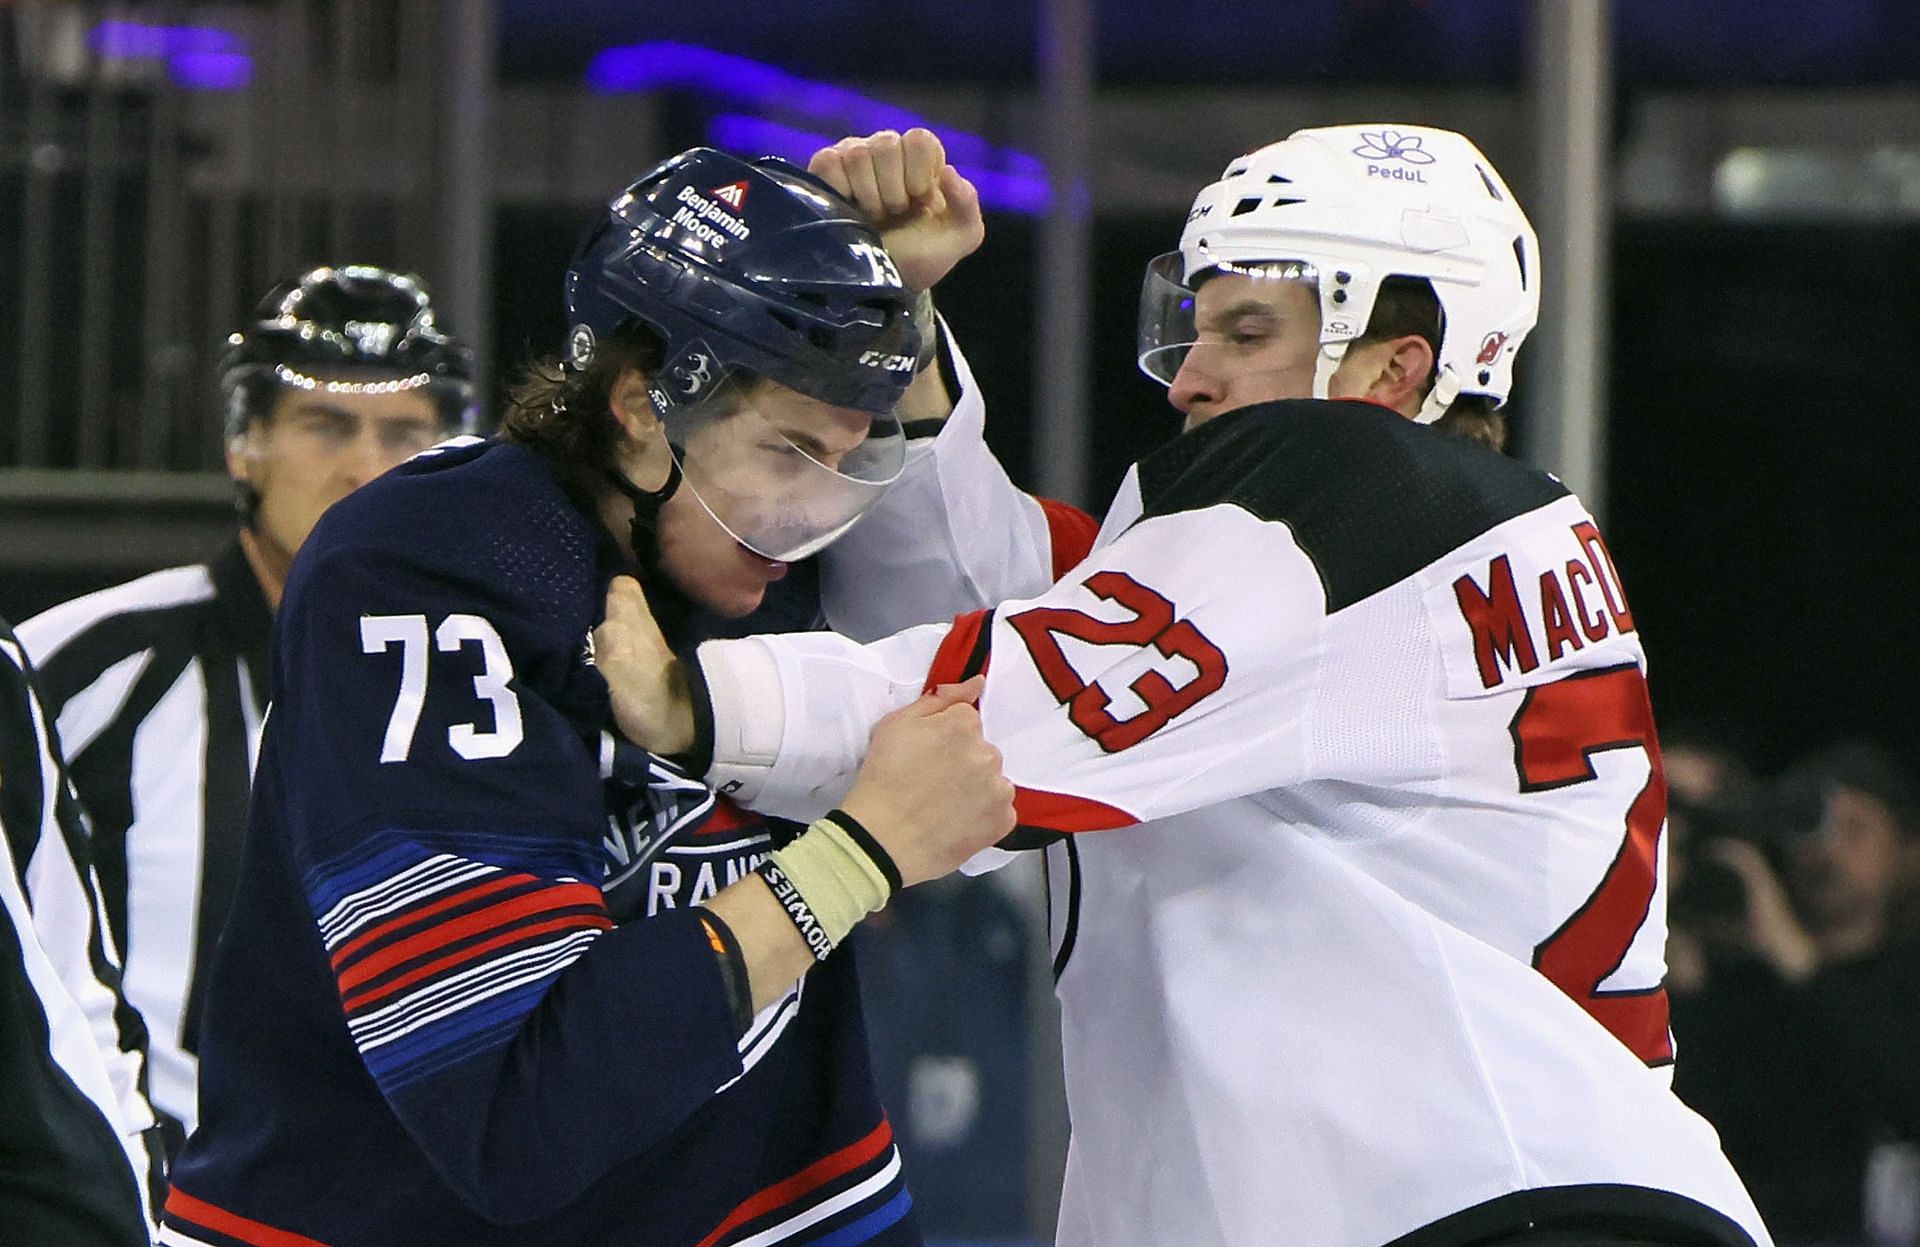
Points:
(1370, 496)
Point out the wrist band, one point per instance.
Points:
(819, 943)
(733, 968)
(833, 875)
(868, 845)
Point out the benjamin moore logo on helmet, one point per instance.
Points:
(696, 210)
(733, 194)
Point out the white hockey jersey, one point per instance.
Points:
(1359, 922)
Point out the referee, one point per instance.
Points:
(73, 1166)
(159, 685)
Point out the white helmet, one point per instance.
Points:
(1346, 207)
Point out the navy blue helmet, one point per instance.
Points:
(350, 325)
(747, 267)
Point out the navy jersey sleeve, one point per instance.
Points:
(435, 754)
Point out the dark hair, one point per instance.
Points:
(563, 415)
(1407, 307)
(1865, 767)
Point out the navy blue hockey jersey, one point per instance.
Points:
(463, 998)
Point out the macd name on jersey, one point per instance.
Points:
(1575, 605)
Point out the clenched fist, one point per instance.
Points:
(927, 214)
(931, 790)
(651, 701)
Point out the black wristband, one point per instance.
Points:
(733, 969)
(868, 845)
(798, 911)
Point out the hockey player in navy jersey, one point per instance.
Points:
(1341, 748)
(457, 1002)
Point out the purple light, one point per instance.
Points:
(211, 71)
(1008, 192)
(129, 40)
(1009, 179)
(200, 58)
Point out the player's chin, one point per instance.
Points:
(736, 598)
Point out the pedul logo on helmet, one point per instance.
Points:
(1382, 147)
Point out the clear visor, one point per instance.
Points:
(1173, 324)
(783, 473)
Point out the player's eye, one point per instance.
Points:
(1250, 332)
(405, 439)
(331, 426)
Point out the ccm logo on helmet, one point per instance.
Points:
(892, 363)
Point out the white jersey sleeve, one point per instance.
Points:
(954, 534)
(1145, 683)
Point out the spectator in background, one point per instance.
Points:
(1796, 986)
(159, 684)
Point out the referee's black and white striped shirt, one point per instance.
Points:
(71, 1114)
(158, 686)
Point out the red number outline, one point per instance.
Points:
(1154, 624)
(1557, 730)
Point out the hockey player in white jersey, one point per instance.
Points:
(1341, 745)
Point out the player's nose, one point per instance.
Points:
(1194, 386)
(364, 460)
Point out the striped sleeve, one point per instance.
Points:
(454, 891)
(440, 949)
(81, 1162)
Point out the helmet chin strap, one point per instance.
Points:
(671, 608)
(1446, 388)
(1325, 364)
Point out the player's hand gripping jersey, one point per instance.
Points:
(1368, 943)
(457, 1004)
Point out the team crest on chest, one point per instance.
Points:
(673, 843)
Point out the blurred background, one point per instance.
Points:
(1729, 201)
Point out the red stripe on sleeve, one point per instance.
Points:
(1072, 531)
(360, 1000)
(200, 1212)
(950, 660)
(560, 896)
(1056, 811)
(412, 916)
(818, 1174)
